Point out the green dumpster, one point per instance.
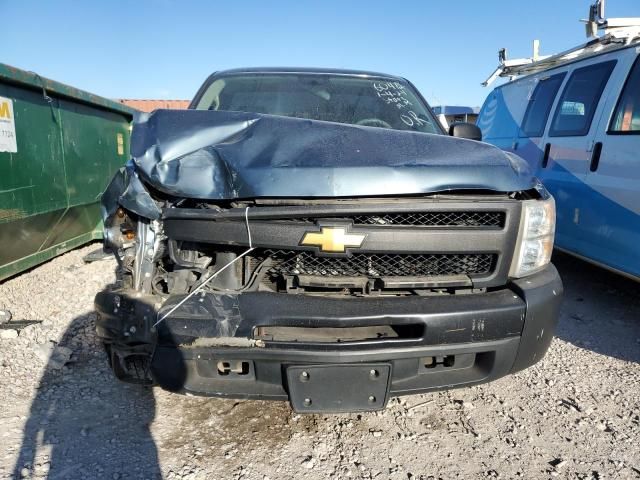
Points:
(59, 147)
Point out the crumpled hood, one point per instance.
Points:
(226, 155)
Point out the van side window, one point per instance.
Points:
(579, 100)
(627, 115)
(535, 118)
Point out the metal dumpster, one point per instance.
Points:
(59, 147)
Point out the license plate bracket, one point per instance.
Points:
(338, 388)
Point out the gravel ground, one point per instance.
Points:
(576, 414)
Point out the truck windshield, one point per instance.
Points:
(373, 102)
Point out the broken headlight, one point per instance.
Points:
(535, 237)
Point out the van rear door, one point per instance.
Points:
(566, 149)
(612, 221)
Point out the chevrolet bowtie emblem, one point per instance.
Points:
(332, 239)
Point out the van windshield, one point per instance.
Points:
(372, 102)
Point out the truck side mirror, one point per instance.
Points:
(465, 130)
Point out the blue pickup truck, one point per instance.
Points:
(315, 235)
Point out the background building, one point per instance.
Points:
(448, 114)
(150, 105)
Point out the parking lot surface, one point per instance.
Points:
(575, 414)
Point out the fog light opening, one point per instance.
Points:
(432, 362)
(238, 367)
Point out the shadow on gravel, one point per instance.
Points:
(87, 423)
(601, 310)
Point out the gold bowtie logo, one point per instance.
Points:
(332, 239)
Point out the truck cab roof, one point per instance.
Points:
(322, 71)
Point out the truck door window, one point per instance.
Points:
(626, 119)
(579, 100)
(535, 118)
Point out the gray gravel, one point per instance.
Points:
(576, 414)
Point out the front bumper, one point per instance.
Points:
(206, 347)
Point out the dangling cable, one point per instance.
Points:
(246, 222)
(211, 277)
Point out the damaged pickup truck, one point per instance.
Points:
(314, 235)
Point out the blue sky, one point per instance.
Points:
(166, 48)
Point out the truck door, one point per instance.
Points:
(613, 177)
(566, 150)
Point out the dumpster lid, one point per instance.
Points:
(33, 80)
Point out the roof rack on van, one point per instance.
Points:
(617, 33)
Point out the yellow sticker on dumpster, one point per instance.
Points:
(120, 141)
(7, 126)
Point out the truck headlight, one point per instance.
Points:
(535, 237)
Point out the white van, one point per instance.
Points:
(575, 118)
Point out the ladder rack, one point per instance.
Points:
(618, 33)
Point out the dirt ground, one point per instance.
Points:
(576, 414)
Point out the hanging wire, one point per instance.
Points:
(214, 275)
